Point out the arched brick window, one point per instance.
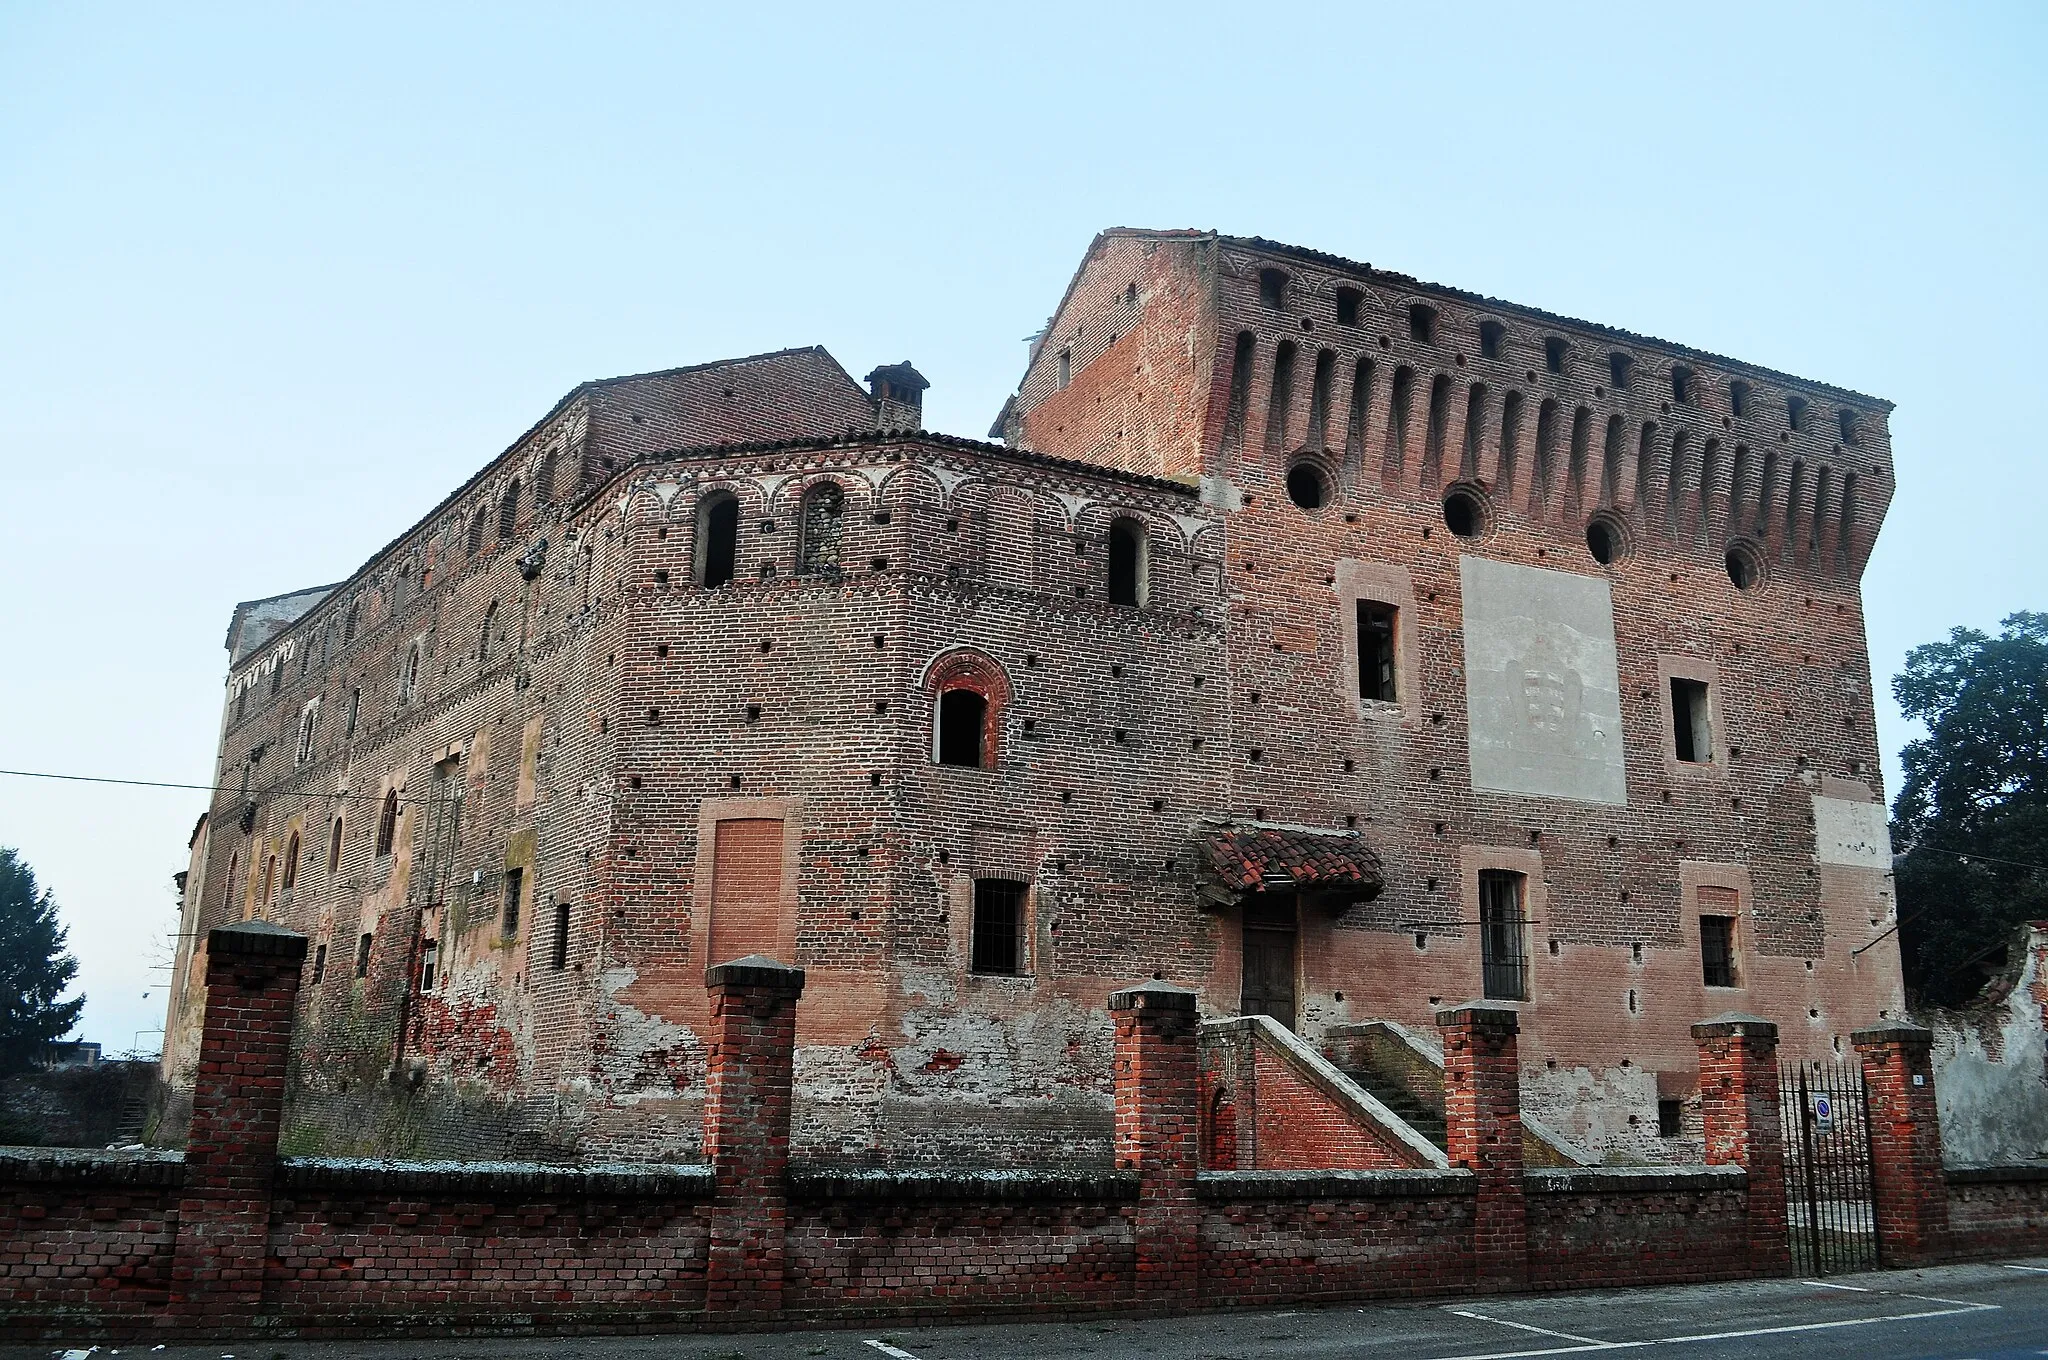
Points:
(819, 522)
(969, 696)
(291, 863)
(476, 531)
(544, 479)
(334, 847)
(1130, 562)
(387, 822)
(483, 645)
(718, 539)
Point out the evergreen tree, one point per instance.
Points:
(34, 969)
(1972, 819)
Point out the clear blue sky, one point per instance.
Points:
(274, 279)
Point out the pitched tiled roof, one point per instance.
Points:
(1270, 858)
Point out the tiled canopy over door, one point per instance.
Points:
(746, 892)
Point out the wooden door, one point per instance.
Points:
(1269, 959)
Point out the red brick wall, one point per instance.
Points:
(1266, 1240)
(1997, 1211)
(353, 1247)
(85, 1232)
(1628, 1227)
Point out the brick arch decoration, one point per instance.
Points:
(967, 668)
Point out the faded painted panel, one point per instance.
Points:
(1850, 833)
(1544, 693)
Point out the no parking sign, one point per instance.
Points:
(1823, 1111)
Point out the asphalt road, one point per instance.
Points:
(1980, 1311)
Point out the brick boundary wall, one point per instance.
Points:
(228, 1239)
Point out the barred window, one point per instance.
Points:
(998, 946)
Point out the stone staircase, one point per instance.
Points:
(1406, 1075)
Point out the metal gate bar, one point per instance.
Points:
(1830, 1216)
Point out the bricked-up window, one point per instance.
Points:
(476, 532)
(963, 718)
(508, 511)
(1491, 334)
(319, 962)
(1347, 305)
(1692, 736)
(1376, 632)
(348, 628)
(276, 674)
(1282, 398)
(718, 539)
(291, 863)
(1670, 1118)
(1717, 951)
(998, 946)
(1130, 566)
(558, 947)
(387, 822)
(334, 846)
(1066, 373)
(430, 959)
(508, 918)
(363, 954)
(1273, 287)
(1503, 957)
(544, 479)
(820, 519)
(227, 889)
(409, 674)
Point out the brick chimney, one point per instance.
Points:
(897, 391)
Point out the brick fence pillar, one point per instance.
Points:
(252, 984)
(746, 1130)
(1908, 1182)
(1158, 1133)
(1739, 1109)
(1483, 1134)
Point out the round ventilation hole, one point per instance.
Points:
(1305, 486)
(1464, 514)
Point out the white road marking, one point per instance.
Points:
(2034, 1270)
(1721, 1336)
(1823, 1284)
(1590, 1341)
(894, 1352)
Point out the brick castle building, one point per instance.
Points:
(1337, 645)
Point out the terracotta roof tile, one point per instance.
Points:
(1264, 859)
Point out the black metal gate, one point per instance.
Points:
(1828, 1208)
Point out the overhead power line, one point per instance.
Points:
(202, 788)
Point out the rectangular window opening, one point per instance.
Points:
(558, 953)
(363, 954)
(998, 946)
(1347, 305)
(430, 958)
(1503, 957)
(1692, 736)
(319, 962)
(1717, 950)
(1670, 1118)
(1377, 677)
(515, 883)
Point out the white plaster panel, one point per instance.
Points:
(1543, 688)
(1850, 833)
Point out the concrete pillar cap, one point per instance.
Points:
(1480, 1015)
(1153, 996)
(755, 970)
(1891, 1032)
(1736, 1024)
(256, 938)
